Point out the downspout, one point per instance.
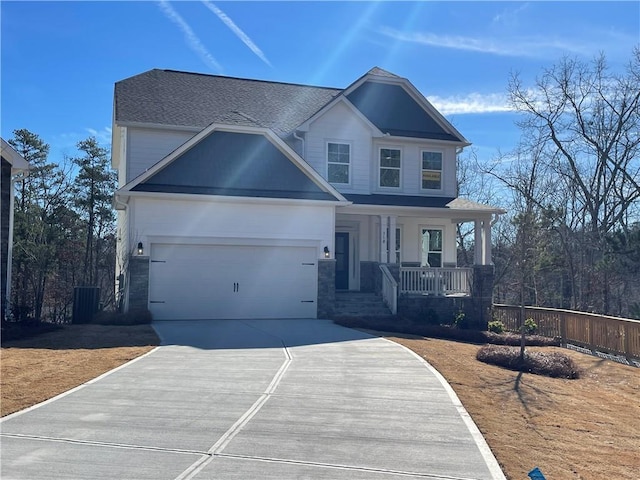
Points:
(301, 140)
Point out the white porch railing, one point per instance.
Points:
(436, 281)
(389, 290)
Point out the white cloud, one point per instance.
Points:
(237, 31)
(511, 47)
(471, 103)
(192, 39)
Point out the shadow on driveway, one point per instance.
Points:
(246, 334)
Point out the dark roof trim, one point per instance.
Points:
(234, 192)
(399, 200)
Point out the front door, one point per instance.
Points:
(342, 261)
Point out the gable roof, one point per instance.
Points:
(169, 97)
(235, 161)
(389, 103)
(393, 111)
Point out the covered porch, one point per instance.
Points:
(411, 252)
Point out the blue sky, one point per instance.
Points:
(60, 60)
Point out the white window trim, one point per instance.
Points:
(326, 150)
(432, 150)
(390, 147)
(432, 227)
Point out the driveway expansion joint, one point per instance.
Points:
(237, 427)
(433, 476)
(101, 444)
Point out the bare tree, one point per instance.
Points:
(587, 120)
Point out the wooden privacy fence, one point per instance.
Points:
(617, 336)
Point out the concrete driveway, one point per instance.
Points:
(261, 399)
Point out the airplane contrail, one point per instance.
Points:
(192, 39)
(235, 29)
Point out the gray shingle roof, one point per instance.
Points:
(169, 97)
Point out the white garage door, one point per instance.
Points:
(215, 282)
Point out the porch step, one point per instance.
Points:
(360, 304)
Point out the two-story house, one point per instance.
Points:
(242, 198)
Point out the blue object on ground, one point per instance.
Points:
(536, 474)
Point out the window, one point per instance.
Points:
(338, 159)
(431, 170)
(389, 167)
(431, 247)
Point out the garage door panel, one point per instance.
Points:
(202, 281)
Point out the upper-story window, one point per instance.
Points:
(431, 170)
(338, 162)
(390, 163)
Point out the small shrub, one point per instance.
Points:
(550, 364)
(530, 326)
(495, 326)
(460, 320)
(399, 324)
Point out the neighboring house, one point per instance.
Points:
(13, 166)
(244, 198)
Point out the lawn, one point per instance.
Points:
(37, 368)
(572, 429)
(587, 428)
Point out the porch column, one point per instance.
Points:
(392, 238)
(384, 244)
(478, 242)
(487, 242)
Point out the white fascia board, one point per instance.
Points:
(456, 215)
(192, 197)
(17, 161)
(160, 126)
(304, 127)
(437, 116)
(274, 139)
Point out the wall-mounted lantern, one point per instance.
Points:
(140, 249)
(326, 252)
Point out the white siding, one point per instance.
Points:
(166, 220)
(146, 147)
(411, 164)
(341, 124)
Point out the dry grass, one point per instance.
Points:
(38, 368)
(587, 428)
(572, 429)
